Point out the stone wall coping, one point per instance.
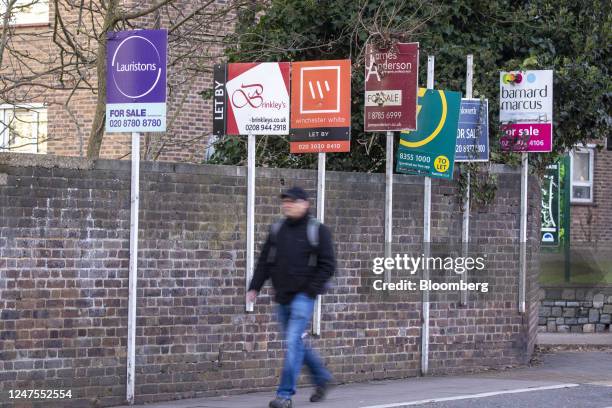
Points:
(77, 163)
(578, 286)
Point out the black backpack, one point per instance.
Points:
(312, 232)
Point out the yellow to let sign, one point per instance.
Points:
(441, 164)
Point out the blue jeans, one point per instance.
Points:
(294, 319)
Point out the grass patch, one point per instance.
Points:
(586, 268)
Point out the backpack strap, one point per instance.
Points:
(274, 229)
(312, 232)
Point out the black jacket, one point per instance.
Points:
(290, 272)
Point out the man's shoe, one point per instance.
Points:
(321, 392)
(279, 402)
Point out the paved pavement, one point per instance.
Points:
(584, 396)
(560, 380)
(575, 339)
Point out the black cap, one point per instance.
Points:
(297, 193)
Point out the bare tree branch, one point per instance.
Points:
(5, 26)
(136, 14)
(70, 54)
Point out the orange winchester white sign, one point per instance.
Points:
(321, 106)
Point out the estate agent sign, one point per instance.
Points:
(136, 81)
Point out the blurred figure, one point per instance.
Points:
(298, 256)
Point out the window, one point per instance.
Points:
(25, 12)
(582, 163)
(23, 128)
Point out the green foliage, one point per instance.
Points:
(570, 37)
(483, 184)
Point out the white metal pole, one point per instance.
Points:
(250, 238)
(133, 269)
(465, 238)
(316, 317)
(389, 202)
(426, 244)
(469, 77)
(523, 231)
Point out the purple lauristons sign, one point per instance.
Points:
(136, 81)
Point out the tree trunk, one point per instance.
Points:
(97, 127)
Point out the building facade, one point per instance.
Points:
(591, 194)
(52, 112)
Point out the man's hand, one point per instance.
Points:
(251, 296)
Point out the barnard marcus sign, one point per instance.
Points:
(525, 110)
(136, 81)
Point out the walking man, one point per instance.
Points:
(299, 258)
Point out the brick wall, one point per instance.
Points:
(64, 247)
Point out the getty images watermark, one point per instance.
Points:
(410, 265)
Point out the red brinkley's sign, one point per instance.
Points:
(255, 99)
(321, 106)
(391, 85)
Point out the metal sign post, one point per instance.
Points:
(526, 116)
(250, 238)
(465, 238)
(135, 102)
(236, 114)
(523, 231)
(320, 122)
(527, 122)
(133, 271)
(389, 202)
(426, 245)
(316, 317)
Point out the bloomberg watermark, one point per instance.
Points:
(136, 81)
(407, 266)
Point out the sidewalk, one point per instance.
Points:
(559, 374)
(575, 339)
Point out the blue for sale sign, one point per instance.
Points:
(473, 131)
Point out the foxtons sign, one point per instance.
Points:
(136, 81)
(526, 110)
